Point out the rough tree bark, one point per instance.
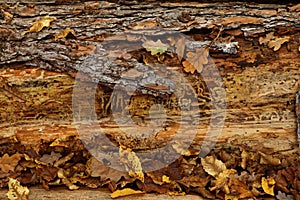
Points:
(255, 48)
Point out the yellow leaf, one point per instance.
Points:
(213, 166)
(132, 163)
(16, 191)
(231, 197)
(64, 33)
(244, 157)
(195, 61)
(166, 179)
(268, 185)
(40, 24)
(125, 192)
(222, 179)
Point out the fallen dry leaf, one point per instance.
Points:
(239, 188)
(194, 181)
(268, 185)
(64, 33)
(269, 159)
(268, 38)
(50, 159)
(165, 179)
(97, 169)
(282, 195)
(65, 180)
(195, 61)
(155, 47)
(40, 24)
(272, 41)
(222, 180)
(213, 166)
(125, 192)
(16, 191)
(132, 163)
(276, 43)
(8, 163)
(179, 45)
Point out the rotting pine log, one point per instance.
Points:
(255, 48)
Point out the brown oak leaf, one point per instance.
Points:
(195, 61)
(50, 159)
(97, 169)
(8, 163)
(268, 38)
(179, 45)
(276, 43)
(272, 41)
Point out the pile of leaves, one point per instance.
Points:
(229, 171)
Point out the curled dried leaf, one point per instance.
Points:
(65, 180)
(125, 192)
(64, 33)
(166, 179)
(213, 166)
(269, 159)
(268, 185)
(16, 191)
(132, 163)
(40, 24)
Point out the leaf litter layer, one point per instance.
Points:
(232, 170)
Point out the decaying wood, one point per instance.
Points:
(259, 73)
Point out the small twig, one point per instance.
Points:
(217, 37)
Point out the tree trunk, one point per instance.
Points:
(95, 78)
